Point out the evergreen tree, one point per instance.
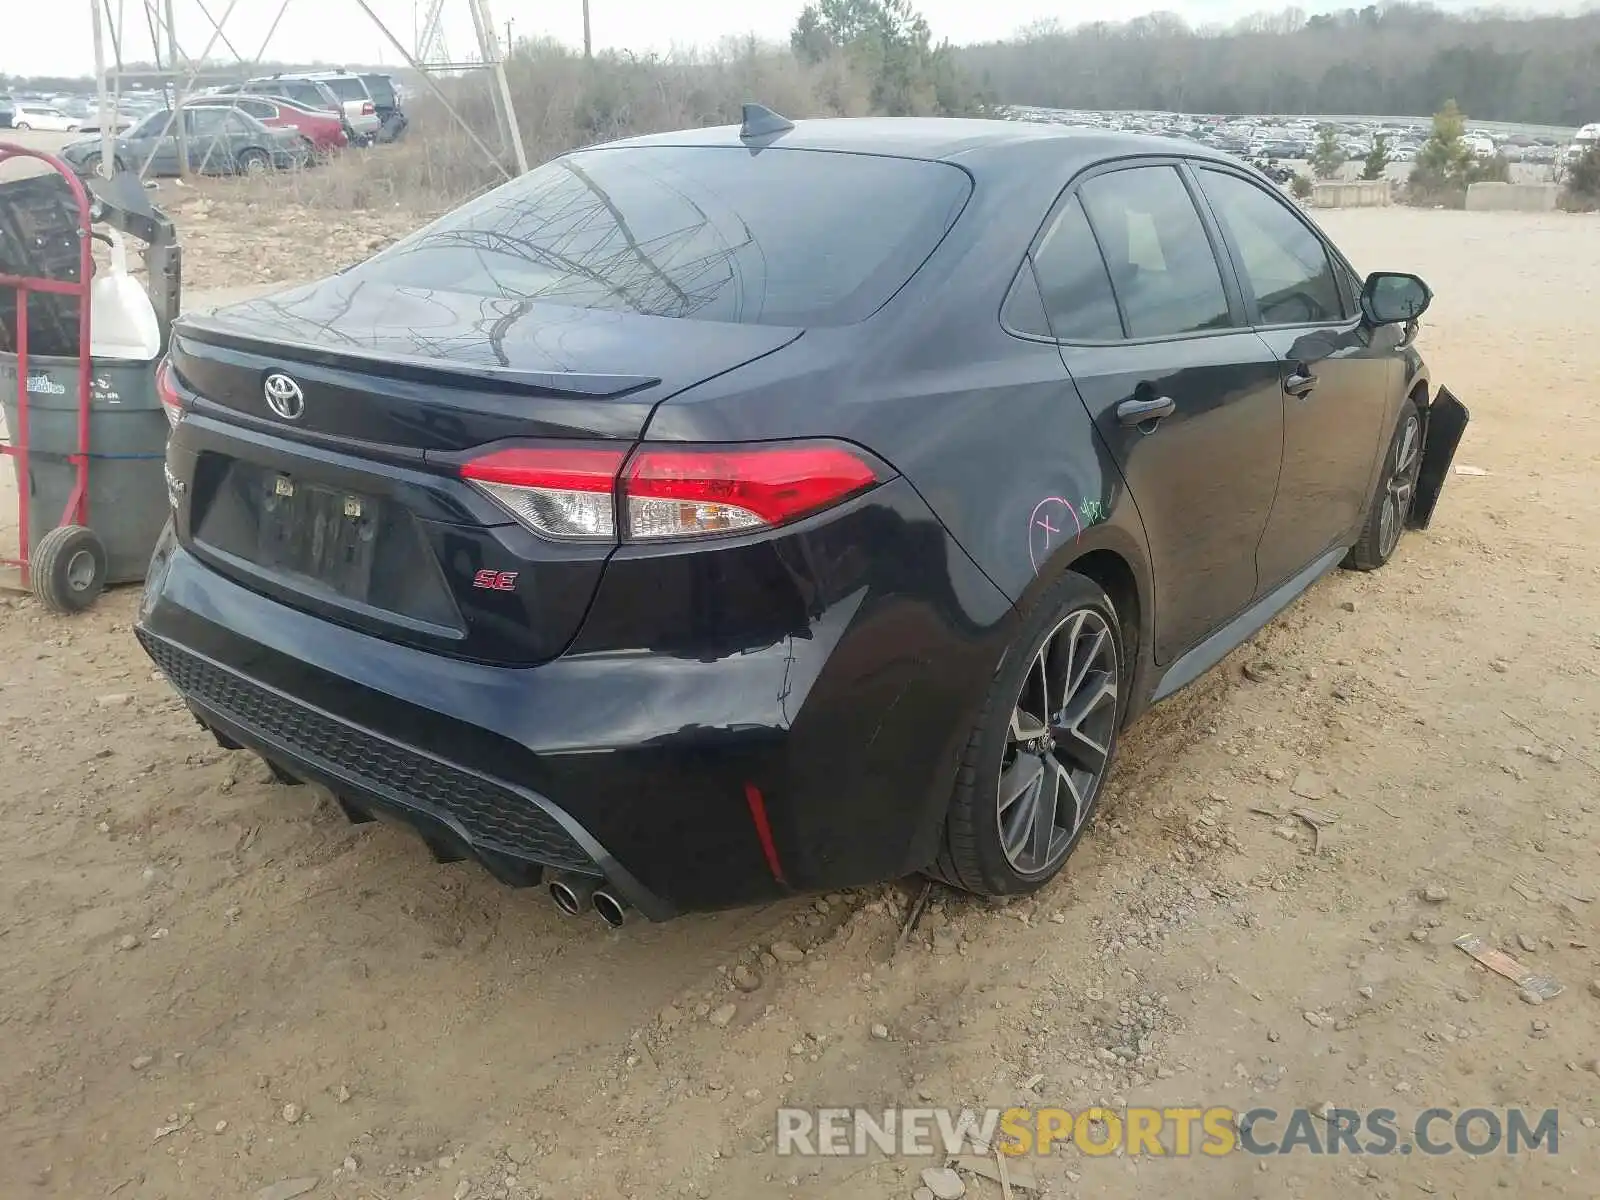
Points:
(1328, 156)
(890, 42)
(1377, 160)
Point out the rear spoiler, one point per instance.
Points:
(576, 385)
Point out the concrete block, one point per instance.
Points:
(1376, 193)
(1512, 197)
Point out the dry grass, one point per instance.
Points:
(425, 173)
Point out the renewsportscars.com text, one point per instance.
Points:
(1166, 1132)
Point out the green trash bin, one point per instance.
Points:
(127, 453)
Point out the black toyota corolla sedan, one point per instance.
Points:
(711, 517)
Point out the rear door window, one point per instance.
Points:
(1285, 265)
(151, 126)
(206, 120)
(1073, 280)
(380, 87)
(347, 87)
(1163, 270)
(783, 237)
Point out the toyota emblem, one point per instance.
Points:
(284, 396)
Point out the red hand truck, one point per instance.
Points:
(66, 570)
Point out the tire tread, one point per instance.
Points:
(47, 564)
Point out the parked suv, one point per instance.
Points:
(353, 98)
(386, 96)
(32, 115)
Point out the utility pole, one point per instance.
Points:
(108, 124)
(492, 55)
(588, 49)
(177, 93)
(510, 45)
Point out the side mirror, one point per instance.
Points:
(1390, 298)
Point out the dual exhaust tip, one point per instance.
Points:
(573, 895)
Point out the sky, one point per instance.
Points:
(56, 37)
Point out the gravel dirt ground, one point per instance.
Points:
(210, 984)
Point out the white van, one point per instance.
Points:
(1588, 137)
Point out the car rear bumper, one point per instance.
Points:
(686, 782)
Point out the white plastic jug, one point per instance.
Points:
(122, 321)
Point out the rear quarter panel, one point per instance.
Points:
(988, 427)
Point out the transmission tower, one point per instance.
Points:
(431, 46)
(181, 69)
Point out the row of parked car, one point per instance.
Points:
(278, 121)
(1294, 139)
(367, 102)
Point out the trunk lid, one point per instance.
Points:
(345, 502)
(417, 369)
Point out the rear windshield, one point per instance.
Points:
(380, 87)
(347, 87)
(783, 237)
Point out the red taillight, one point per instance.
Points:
(676, 492)
(369, 109)
(167, 393)
(684, 493)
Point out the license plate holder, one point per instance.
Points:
(322, 533)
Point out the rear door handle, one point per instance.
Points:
(1146, 411)
(1301, 383)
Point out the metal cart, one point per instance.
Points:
(84, 433)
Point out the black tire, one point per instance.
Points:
(68, 569)
(255, 162)
(22, 125)
(975, 855)
(1397, 489)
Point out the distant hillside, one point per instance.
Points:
(1382, 60)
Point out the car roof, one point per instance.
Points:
(221, 98)
(260, 79)
(320, 76)
(983, 145)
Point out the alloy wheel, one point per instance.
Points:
(1059, 742)
(1401, 485)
